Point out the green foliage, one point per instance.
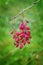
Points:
(31, 54)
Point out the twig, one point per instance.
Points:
(26, 9)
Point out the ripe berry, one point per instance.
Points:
(22, 26)
(26, 36)
(16, 44)
(24, 42)
(17, 33)
(16, 39)
(14, 36)
(28, 41)
(27, 28)
(28, 32)
(21, 46)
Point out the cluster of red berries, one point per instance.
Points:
(22, 37)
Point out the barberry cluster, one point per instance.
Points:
(22, 37)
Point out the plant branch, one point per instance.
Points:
(26, 9)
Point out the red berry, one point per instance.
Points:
(21, 38)
(22, 32)
(28, 32)
(15, 36)
(28, 41)
(17, 39)
(16, 44)
(17, 33)
(22, 35)
(27, 28)
(22, 26)
(29, 36)
(26, 36)
(21, 46)
(24, 42)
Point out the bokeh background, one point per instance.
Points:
(31, 54)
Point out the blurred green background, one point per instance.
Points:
(31, 54)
